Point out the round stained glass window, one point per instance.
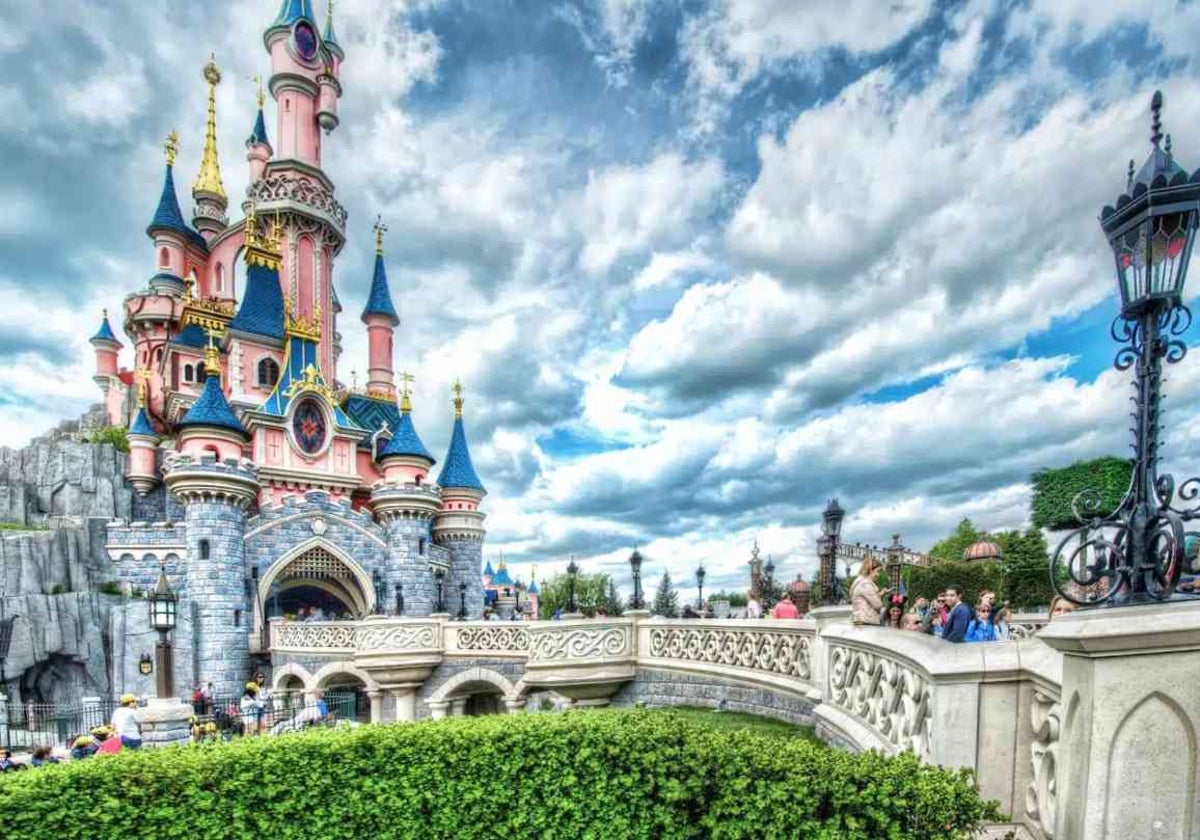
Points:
(308, 427)
(306, 40)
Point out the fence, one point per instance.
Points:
(32, 725)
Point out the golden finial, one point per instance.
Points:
(172, 147)
(380, 229)
(258, 97)
(275, 240)
(212, 357)
(141, 375)
(208, 180)
(251, 231)
(406, 392)
(457, 388)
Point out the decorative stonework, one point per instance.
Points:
(581, 643)
(890, 698)
(402, 637)
(324, 636)
(783, 652)
(282, 187)
(492, 637)
(1041, 797)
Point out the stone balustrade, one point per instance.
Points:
(317, 637)
(491, 638)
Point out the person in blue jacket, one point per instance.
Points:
(982, 628)
(959, 619)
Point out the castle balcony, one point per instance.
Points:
(405, 499)
(285, 191)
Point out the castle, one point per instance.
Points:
(265, 486)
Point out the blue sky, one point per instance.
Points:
(701, 265)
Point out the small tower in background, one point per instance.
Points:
(208, 190)
(331, 89)
(380, 317)
(258, 147)
(143, 442)
(459, 524)
(107, 347)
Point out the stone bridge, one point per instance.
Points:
(1086, 708)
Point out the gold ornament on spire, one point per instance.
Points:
(380, 229)
(457, 388)
(141, 375)
(212, 356)
(406, 392)
(172, 147)
(264, 252)
(259, 97)
(208, 180)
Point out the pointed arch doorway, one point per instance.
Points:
(316, 574)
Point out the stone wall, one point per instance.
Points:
(466, 566)
(507, 668)
(217, 586)
(660, 687)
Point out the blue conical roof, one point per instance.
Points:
(405, 441)
(261, 312)
(105, 332)
(212, 409)
(168, 216)
(379, 301)
(258, 134)
(141, 424)
(488, 570)
(533, 587)
(291, 11)
(501, 578)
(328, 37)
(458, 471)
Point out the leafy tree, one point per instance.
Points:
(1054, 489)
(735, 599)
(1026, 568)
(590, 591)
(116, 435)
(952, 547)
(666, 599)
(614, 604)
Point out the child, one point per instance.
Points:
(981, 628)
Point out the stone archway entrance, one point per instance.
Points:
(316, 574)
(475, 691)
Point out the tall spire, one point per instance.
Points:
(328, 37)
(208, 180)
(457, 388)
(458, 472)
(258, 134)
(379, 300)
(405, 392)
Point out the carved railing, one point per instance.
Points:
(890, 697)
(399, 636)
(280, 187)
(1041, 796)
(754, 648)
(559, 641)
(490, 637)
(314, 636)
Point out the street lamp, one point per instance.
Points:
(1136, 553)
(700, 573)
(163, 605)
(635, 565)
(439, 576)
(827, 550)
(768, 599)
(380, 592)
(462, 602)
(572, 575)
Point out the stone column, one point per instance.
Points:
(92, 716)
(515, 705)
(458, 707)
(823, 617)
(406, 704)
(165, 723)
(1128, 761)
(376, 698)
(4, 736)
(437, 708)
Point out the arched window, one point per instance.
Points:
(418, 481)
(421, 546)
(268, 373)
(164, 258)
(201, 373)
(203, 549)
(158, 356)
(220, 278)
(189, 374)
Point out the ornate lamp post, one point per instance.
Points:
(380, 592)
(439, 576)
(700, 573)
(768, 599)
(572, 576)
(635, 566)
(827, 548)
(163, 605)
(1137, 553)
(462, 602)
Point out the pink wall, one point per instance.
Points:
(379, 338)
(197, 444)
(224, 254)
(305, 265)
(367, 469)
(405, 473)
(106, 361)
(114, 402)
(141, 459)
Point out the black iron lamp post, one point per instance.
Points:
(827, 549)
(572, 576)
(1136, 553)
(163, 606)
(768, 600)
(380, 592)
(399, 599)
(462, 602)
(439, 576)
(635, 565)
(700, 573)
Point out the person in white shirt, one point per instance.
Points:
(753, 608)
(124, 722)
(251, 708)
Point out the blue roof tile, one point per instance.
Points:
(105, 332)
(405, 441)
(291, 11)
(533, 587)
(488, 570)
(501, 578)
(141, 424)
(259, 133)
(379, 301)
(212, 409)
(371, 413)
(193, 335)
(261, 312)
(458, 471)
(168, 216)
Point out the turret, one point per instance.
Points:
(381, 320)
(210, 427)
(405, 459)
(143, 443)
(107, 346)
(331, 89)
(208, 190)
(258, 147)
(170, 233)
(298, 61)
(459, 524)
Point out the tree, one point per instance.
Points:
(590, 591)
(118, 436)
(666, 599)
(735, 599)
(952, 547)
(1026, 568)
(1055, 489)
(614, 604)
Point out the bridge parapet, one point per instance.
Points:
(496, 639)
(587, 660)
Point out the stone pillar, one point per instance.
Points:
(458, 707)
(165, 723)
(827, 569)
(376, 698)
(406, 511)
(92, 716)
(437, 708)
(515, 705)
(4, 736)
(1127, 754)
(466, 563)
(406, 704)
(823, 617)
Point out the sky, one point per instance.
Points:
(701, 265)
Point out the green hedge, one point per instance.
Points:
(634, 774)
(973, 576)
(1054, 490)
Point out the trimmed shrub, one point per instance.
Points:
(118, 436)
(1054, 490)
(630, 774)
(973, 576)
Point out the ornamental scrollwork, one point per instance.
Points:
(286, 187)
(1041, 797)
(580, 643)
(402, 637)
(493, 638)
(890, 698)
(315, 636)
(788, 654)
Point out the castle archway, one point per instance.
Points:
(316, 573)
